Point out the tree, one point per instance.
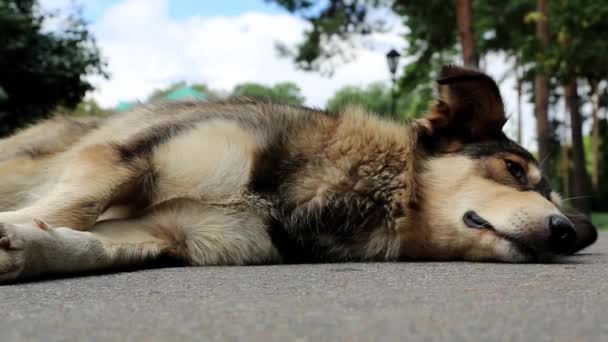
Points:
(288, 92)
(579, 25)
(464, 10)
(595, 132)
(582, 188)
(541, 88)
(601, 198)
(502, 29)
(42, 69)
(376, 97)
(89, 107)
(284, 92)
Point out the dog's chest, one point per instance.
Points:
(340, 231)
(337, 210)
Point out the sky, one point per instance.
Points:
(150, 44)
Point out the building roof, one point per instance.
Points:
(184, 94)
(125, 106)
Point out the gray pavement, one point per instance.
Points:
(340, 302)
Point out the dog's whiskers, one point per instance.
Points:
(573, 198)
(542, 163)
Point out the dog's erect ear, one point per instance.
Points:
(469, 107)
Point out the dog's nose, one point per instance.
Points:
(562, 235)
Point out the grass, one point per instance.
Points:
(600, 220)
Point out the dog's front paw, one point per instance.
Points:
(22, 249)
(12, 252)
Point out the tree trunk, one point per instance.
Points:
(543, 127)
(541, 94)
(566, 169)
(464, 16)
(595, 158)
(518, 85)
(566, 152)
(581, 186)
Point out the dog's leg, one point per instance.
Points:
(194, 233)
(84, 186)
(28, 251)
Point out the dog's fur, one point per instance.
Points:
(246, 182)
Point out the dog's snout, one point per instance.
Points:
(562, 235)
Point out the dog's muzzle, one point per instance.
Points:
(561, 240)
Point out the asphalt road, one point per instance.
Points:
(339, 302)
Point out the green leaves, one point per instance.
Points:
(376, 97)
(334, 26)
(284, 92)
(41, 68)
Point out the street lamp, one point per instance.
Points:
(392, 58)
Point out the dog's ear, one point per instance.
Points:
(469, 106)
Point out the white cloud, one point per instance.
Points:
(146, 50)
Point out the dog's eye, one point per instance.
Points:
(517, 171)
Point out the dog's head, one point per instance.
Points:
(483, 196)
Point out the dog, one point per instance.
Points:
(241, 182)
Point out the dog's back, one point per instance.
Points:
(32, 159)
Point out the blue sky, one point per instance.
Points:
(184, 8)
(180, 9)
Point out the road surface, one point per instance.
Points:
(333, 302)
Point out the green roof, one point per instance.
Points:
(125, 106)
(185, 93)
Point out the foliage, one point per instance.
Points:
(284, 92)
(376, 97)
(89, 107)
(580, 28)
(335, 25)
(42, 68)
(600, 220)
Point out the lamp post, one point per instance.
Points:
(392, 58)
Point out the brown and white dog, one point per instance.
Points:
(242, 182)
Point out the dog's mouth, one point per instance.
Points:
(472, 220)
